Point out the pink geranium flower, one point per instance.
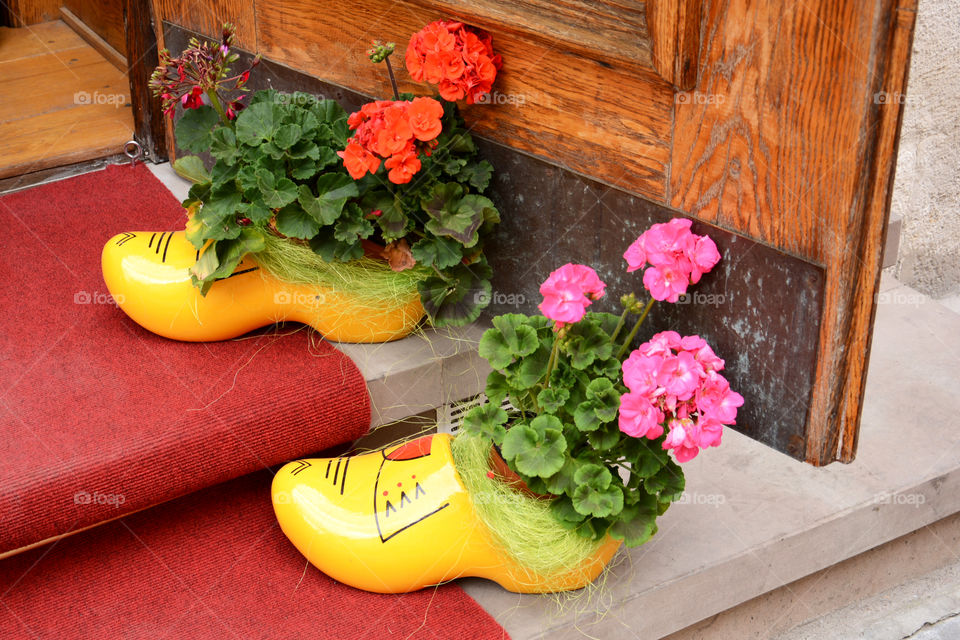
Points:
(677, 258)
(703, 257)
(665, 283)
(684, 439)
(568, 292)
(715, 399)
(673, 380)
(639, 417)
(640, 372)
(680, 375)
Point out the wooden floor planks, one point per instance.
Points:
(61, 102)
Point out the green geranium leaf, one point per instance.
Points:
(303, 169)
(443, 198)
(508, 340)
(532, 368)
(605, 397)
(258, 123)
(563, 481)
(223, 173)
(497, 388)
(331, 249)
(668, 482)
(585, 416)
(191, 168)
(392, 219)
(648, 459)
(194, 129)
(247, 177)
(287, 135)
(477, 174)
(276, 193)
(256, 211)
(637, 523)
(333, 191)
(562, 509)
(266, 95)
(552, 399)
(223, 145)
(221, 258)
(487, 421)
(598, 503)
(438, 252)
(588, 343)
(329, 111)
(294, 222)
(533, 453)
(457, 298)
(594, 476)
(307, 149)
(542, 424)
(327, 157)
(352, 225)
(221, 203)
(609, 368)
(452, 166)
(459, 142)
(460, 223)
(604, 438)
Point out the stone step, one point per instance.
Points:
(754, 520)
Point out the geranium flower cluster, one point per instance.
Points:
(394, 132)
(456, 58)
(196, 77)
(678, 258)
(674, 380)
(568, 292)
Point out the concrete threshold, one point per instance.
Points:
(753, 520)
(422, 372)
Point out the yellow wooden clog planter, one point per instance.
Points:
(400, 519)
(148, 274)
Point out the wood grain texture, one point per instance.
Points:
(22, 13)
(605, 122)
(776, 143)
(674, 27)
(38, 40)
(893, 54)
(94, 39)
(61, 103)
(103, 17)
(143, 58)
(207, 17)
(612, 31)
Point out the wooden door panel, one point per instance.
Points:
(773, 135)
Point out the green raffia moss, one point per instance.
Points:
(372, 282)
(522, 526)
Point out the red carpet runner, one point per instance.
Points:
(211, 565)
(99, 417)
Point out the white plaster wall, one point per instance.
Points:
(926, 191)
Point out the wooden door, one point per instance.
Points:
(764, 121)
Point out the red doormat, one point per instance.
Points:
(99, 417)
(211, 565)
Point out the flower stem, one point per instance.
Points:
(552, 362)
(393, 79)
(620, 323)
(215, 103)
(633, 332)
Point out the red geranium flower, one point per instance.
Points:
(394, 131)
(457, 58)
